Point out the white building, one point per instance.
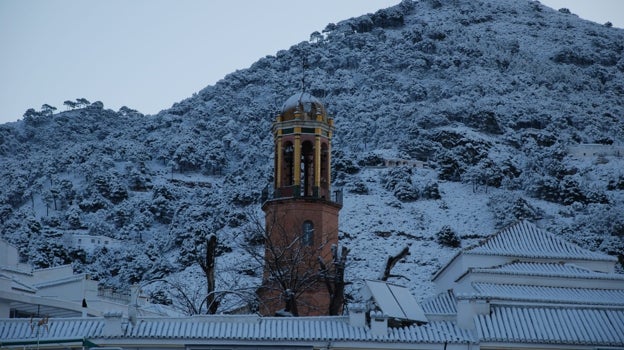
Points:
(522, 288)
(526, 288)
(55, 292)
(593, 150)
(88, 242)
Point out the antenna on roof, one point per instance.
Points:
(304, 65)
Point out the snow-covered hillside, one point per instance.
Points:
(507, 109)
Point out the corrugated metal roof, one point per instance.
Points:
(291, 329)
(441, 304)
(549, 270)
(517, 292)
(53, 328)
(234, 328)
(578, 326)
(524, 239)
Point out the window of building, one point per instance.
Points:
(308, 233)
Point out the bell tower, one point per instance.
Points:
(301, 217)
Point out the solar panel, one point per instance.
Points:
(396, 301)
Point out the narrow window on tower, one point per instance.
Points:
(288, 164)
(307, 168)
(324, 164)
(308, 233)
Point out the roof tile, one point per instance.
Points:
(441, 304)
(524, 239)
(578, 326)
(568, 295)
(547, 269)
(234, 328)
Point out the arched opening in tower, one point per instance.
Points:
(308, 233)
(307, 168)
(324, 170)
(288, 165)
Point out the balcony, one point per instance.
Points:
(295, 191)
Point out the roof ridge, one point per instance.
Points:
(554, 269)
(524, 238)
(545, 287)
(562, 306)
(553, 295)
(496, 234)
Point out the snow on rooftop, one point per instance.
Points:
(235, 327)
(573, 326)
(524, 239)
(441, 304)
(16, 284)
(547, 269)
(299, 98)
(55, 328)
(516, 292)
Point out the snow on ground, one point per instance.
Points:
(377, 225)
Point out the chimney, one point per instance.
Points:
(357, 315)
(379, 323)
(467, 308)
(112, 324)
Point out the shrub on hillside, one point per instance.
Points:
(399, 181)
(358, 187)
(447, 237)
(431, 191)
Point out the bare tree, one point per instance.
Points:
(201, 249)
(190, 298)
(187, 299)
(393, 260)
(207, 263)
(291, 266)
(334, 278)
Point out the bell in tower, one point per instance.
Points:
(301, 219)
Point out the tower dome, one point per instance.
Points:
(303, 106)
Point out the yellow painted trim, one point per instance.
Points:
(297, 160)
(317, 161)
(329, 168)
(279, 164)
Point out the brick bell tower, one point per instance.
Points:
(301, 217)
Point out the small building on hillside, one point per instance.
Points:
(396, 162)
(89, 243)
(594, 150)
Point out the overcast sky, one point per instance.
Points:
(148, 54)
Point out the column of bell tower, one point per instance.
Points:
(301, 219)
